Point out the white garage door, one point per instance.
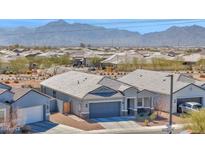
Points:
(30, 115)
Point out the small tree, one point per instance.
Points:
(135, 62)
(82, 45)
(11, 123)
(96, 61)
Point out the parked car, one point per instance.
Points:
(91, 69)
(189, 106)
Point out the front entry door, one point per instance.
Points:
(66, 107)
(130, 106)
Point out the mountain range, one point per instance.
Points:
(61, 33)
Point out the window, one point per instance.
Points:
(54, 94)
(188, 105)
(147, 102)
(130, 102)
(139, 102)
(196, 107)
(2, 115)
(79, 107)
(43, 89)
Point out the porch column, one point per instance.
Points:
(153, 102)
(135, 107)
(124, 107)
(143, 102)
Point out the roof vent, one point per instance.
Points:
(140, 75)
(78, 82)
(164, 79)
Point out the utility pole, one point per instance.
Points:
(171, 101)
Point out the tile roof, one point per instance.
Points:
(19, 92)
(119, 58)
(79, 84)
(73, 83)
(157, 81)
(114, 84)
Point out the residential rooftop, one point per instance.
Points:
(79, 84)
(74, 83)
(157, 81)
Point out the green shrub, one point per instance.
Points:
(153, 116)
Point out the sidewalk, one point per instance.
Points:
(138, 130)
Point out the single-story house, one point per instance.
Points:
(24, 105)
(157, 85)
(121, 58)
(5, 86)
(91, 96)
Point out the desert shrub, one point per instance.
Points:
(146, 122)
(16, 81)
(26, 129)
(19, 65)
(96, 61)
(195, 121)
(7, 81)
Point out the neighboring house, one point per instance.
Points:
(28, 105)
(157, 85)
(91, 96)
(122, 58)
(191, 58)
(31, 105)
(4, 86)
(5, 98)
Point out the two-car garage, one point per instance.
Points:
(189, 93)
(104, 109)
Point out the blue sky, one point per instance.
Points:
(136, 25)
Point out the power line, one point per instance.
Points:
(102, 29)
(167, 24)
(143, 21)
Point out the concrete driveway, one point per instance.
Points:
(46, 127)
(117, 122)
